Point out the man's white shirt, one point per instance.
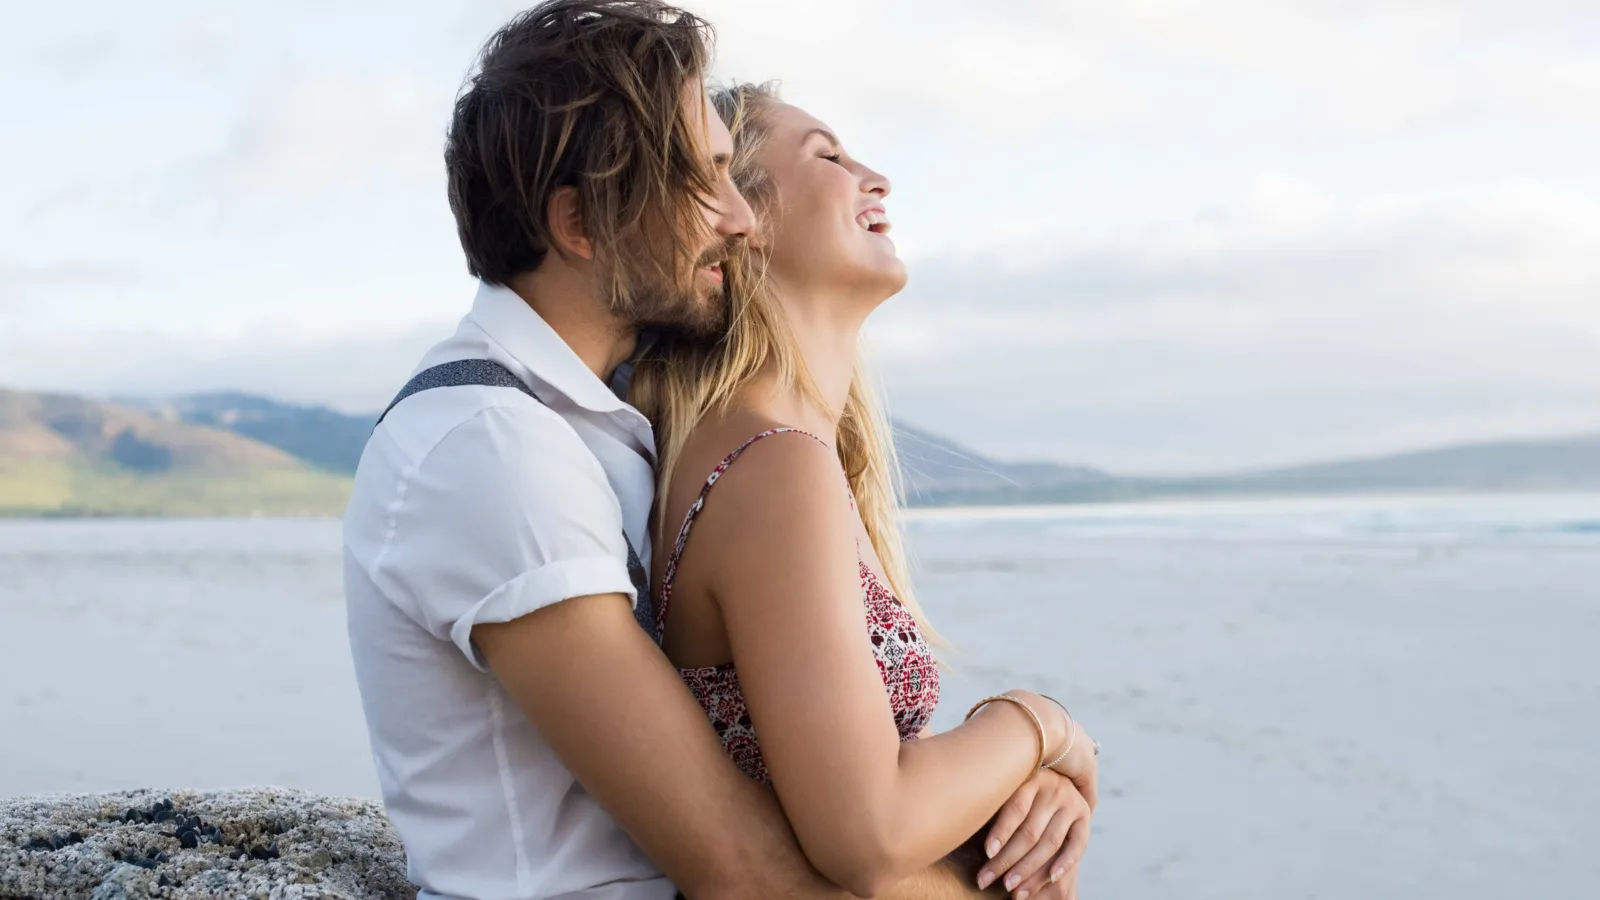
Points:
(477, 505)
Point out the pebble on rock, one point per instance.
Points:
(262, 842)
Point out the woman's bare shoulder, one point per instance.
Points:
(787, 469)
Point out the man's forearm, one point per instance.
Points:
(620, 718)
(948, 879)
(953, 878)
(771, 864)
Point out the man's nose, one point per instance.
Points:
(737, 220)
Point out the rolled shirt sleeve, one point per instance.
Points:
(509, 512)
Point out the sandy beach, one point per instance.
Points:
(1377, 698)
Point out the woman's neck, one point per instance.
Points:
(828, 340)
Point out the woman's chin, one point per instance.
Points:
(888, 279)
(895, 273)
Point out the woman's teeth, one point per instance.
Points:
(874, 221)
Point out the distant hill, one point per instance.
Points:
(938, 471)
(1553, 464)
(941, 472)
(239, 454)
(320, 436)
(934, 466)
(63, 455)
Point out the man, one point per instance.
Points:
(529, 735)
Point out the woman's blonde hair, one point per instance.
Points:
(682, 381)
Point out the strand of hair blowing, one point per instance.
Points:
(683, 381)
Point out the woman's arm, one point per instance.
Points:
(1058, 833)
(618, 716)
(779, 547)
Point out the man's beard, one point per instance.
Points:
(686, 308)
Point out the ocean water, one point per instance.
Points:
(1391, 698)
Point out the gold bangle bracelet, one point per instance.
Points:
(1038, 723)
(1072, 731)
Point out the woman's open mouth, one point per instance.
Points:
(875, 221)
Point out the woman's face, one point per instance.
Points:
(830, 231)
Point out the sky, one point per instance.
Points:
(1152, 236)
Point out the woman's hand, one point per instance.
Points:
(1081, 765)
(1037, 839)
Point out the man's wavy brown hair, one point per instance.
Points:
(594, 95)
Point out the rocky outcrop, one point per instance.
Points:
(262, 843)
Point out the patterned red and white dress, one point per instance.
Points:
(910, 673)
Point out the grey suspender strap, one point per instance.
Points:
(460, 373)
(488, 373)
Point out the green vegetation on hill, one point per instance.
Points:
(319, 436)
(63, 455)
(239, 455)
(52, 488)
(1533, 466)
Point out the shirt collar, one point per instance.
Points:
(530, 340)
(622, 379)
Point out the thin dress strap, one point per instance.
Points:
(670, 575)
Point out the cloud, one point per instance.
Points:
(1354, 67)
(302, 146)
(1285, 326)
(356, 372)
(937, 63)
(1370, 67)
(19, 281)
(1098, 274)
(1286, 245)
(313, 132)
(77, 56)
(205, 43)
(985, 85)
(947, 65)
(304, 141)
(1290, 324)
(1559, 89)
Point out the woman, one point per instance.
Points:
(782, 588)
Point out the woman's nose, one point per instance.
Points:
(876, 183)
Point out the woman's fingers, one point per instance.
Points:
(1089, 787)
(1027, 834)
(1077, 842)
(1063, 868)
(1083, 770)
(1010, 817)
(1064, 887)
(1030, 869)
